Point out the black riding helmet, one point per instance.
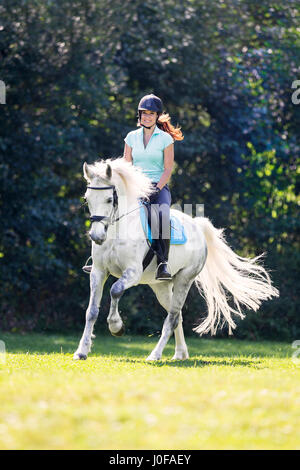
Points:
(150, 103)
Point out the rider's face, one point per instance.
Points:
(148, 118)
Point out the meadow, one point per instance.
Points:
(230, 394)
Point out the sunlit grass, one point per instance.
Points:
(230, 394)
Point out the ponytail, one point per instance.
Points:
(164, 123)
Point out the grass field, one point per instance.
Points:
(229, 395)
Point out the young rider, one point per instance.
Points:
(151, 147)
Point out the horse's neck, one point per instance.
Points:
(125, 204)
(128, 214)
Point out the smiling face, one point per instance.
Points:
(148, 118)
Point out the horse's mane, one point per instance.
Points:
(137, 184)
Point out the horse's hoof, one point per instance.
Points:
(180, 356)
(81, 357)
(120, 332)
(153, 358)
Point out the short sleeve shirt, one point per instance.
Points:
(151, 158)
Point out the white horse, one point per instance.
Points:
(119, 247)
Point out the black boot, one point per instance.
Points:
(162, 272)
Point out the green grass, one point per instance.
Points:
(230, 394)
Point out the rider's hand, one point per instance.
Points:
(155, 193)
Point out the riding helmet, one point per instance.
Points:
(151, 103)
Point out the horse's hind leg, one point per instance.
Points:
(182, 283)
(164, 293)
(181, 350)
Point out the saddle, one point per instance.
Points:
(150, 222)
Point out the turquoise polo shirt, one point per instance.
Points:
(151, 158)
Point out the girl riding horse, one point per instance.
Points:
(151, 147)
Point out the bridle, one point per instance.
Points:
(111, 219)
(99, 218)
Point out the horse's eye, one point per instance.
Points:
(110, 199)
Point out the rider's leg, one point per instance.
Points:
(164, 202)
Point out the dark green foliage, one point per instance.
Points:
(74, 73)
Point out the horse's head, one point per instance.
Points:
(101, 198)
(114, 186)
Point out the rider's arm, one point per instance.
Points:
(127, 153)
(168, 165)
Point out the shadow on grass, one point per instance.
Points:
(196, 363)
(51, 343)
(229, 352)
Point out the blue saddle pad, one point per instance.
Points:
(178, 236)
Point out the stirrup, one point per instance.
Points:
(87, 267)
(163, 278)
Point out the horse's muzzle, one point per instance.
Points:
(98, 240)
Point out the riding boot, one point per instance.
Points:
(162, 269)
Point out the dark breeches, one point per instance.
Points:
(162, 203)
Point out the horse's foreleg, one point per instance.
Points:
(97, 280)
(129, 278)
(182, 285)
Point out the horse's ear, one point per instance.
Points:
(87, 173)
(108, 171)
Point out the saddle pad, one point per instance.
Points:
(178, 236)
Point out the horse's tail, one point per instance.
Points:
(248, 282)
